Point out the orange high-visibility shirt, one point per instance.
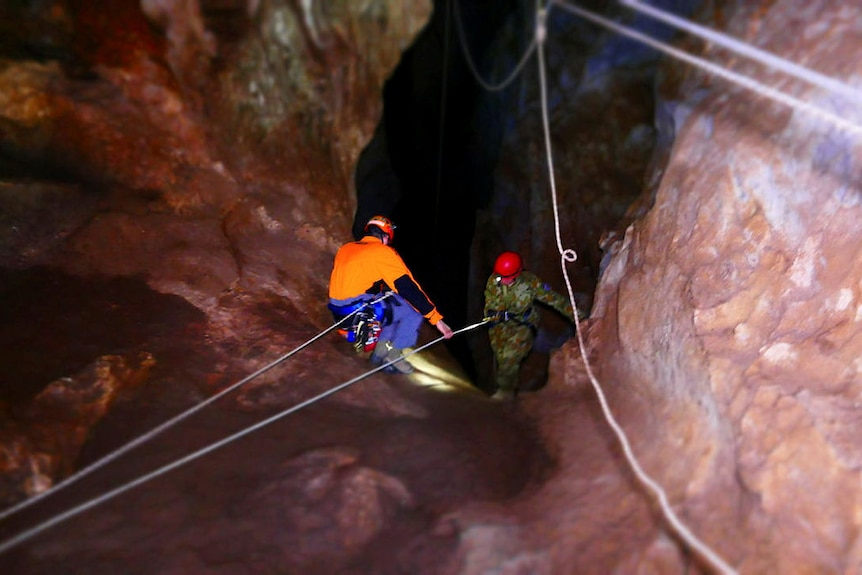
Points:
(359, 266)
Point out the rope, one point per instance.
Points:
(170, 423)
(442, 134)
(733, 77)
(570, 256)
(541, 31)
(472, 65)
(55, 520)
(749, 51)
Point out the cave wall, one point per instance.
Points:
(196, 149)
(204, 146)
(726, 328)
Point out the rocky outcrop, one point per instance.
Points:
(185, 124)
(726, 328)
(201, 146)
(732, 310)
(40, 444)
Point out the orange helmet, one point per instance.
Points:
(508, 265)
(384, 224)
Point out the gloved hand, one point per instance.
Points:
(444, 329)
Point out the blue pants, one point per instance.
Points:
(403, 329)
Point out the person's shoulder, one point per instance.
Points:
(371, 243)
(530, 277)
(346, 247)
(387, 253)
(535, 282)
(388, 249)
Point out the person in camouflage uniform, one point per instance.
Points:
(510, 294)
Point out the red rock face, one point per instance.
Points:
(215, 163)
(42, 442)
(727, 329)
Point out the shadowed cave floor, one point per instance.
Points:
(245, 507)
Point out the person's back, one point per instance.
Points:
(362, 272)
(360, 265)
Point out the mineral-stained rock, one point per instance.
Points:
(736, 313)
(41, 440)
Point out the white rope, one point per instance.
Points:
(570, 256)
(749, 51)
(442, 130)
(170, 423)
(739, 79)
(41, 527)
(541, 31)
(472, 65)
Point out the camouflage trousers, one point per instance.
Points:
(510, 342)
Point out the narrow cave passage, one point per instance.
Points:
(443, 154)
(431, 163)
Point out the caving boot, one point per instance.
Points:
(504, 395)
(507, 384)
(378, 356)
(390, 353)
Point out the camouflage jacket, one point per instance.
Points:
(515, 302)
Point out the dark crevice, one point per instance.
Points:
(438, 166)
(432, 176)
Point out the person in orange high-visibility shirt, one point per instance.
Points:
(363, 270)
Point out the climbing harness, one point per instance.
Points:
(369, 319)
(80, 474)
(364, 333)
(57, 519)
(499, 316)
(503, 316)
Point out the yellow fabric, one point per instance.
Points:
(359, 265)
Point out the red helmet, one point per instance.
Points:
(508, 265)
(384, 224)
